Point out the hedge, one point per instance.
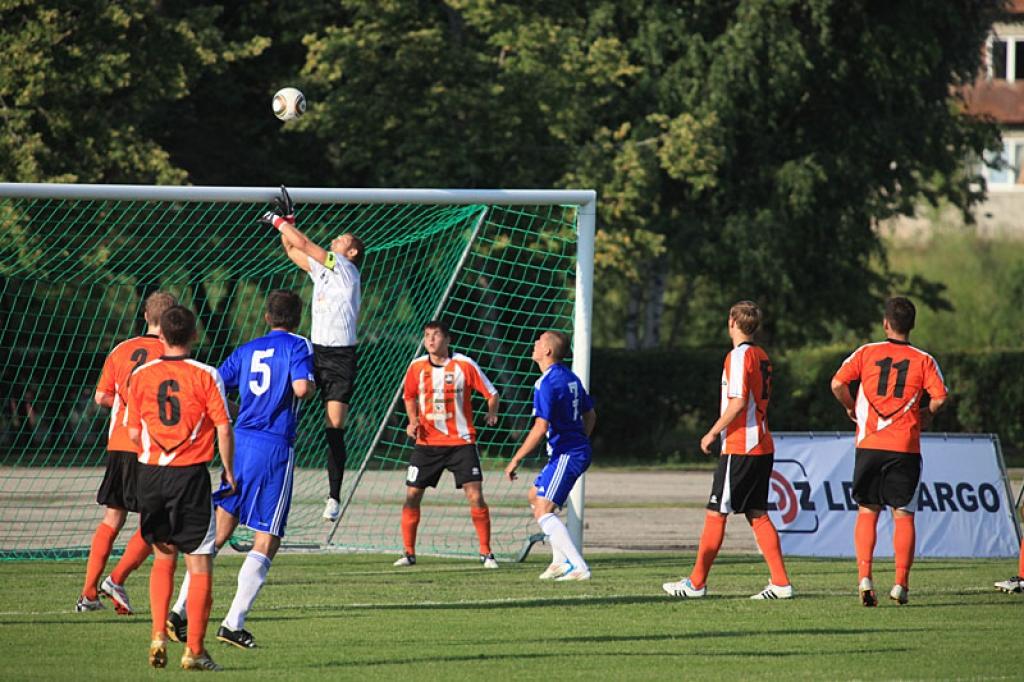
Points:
(654, 405)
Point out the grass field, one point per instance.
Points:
(355, 617)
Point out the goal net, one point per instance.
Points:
(76, 263)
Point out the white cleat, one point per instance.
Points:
(775, 592)
(582, 573)
(867, 593)
(85, 604)
(1014, 584)
(117, 594)
(684, 588)
(899, 594)
(555, 571)
(488, 561)
(332, 510)
(406, 560)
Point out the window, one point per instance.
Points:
(1006, 58)
(1009, 162)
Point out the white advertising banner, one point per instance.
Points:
(965, 507)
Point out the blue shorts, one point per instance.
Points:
(264, 468)
(559, 475)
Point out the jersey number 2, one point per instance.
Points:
(260, 371)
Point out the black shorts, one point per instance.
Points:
(118, 488)
(427, 463)
(888, 478)
(334, 368)
(176, 507)
(741, 483)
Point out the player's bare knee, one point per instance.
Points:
(266, 544)
(754, 514)
(413, 497)
(115, 517)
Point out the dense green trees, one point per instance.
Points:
(740, 149)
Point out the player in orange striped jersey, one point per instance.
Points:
(745, 465)
(175, 405)
(893, 376)
(438, 401)
(117, 491)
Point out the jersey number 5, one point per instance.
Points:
(260, 371)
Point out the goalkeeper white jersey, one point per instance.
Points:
(335, 301)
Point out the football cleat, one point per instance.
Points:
(332, 510)
(177, 628)
(406, 560)
(555, 571)
(243, 639)
(1014, 584)
(116, 594)
(775, 592)
(190, 661)
(899, 594)
(85, 604)
(158, 653)
(488, 561)
(582, 573)
(867, 593)
(684, 588)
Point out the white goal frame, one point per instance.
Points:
(586, 200)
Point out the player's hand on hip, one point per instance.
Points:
(705, 443)
(510, 470)
(492, 419)
(413, 431)
(852, 414)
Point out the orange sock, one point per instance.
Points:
(903, 540)
(1020, 566)
(410, 522)
(710, 542)
(768, 540)
(102, 542)
(482, 522)
(864, 535)
(197, 607)
(161, 586)
(134, 554)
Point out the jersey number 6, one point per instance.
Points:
(170, 408)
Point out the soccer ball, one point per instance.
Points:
(289, 103)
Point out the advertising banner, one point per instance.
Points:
(965, 506)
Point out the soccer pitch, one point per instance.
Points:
(356, 617)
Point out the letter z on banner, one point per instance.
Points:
(965, 507)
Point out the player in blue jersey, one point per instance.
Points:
(271, 375)
(564, 413)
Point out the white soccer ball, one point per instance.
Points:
(289, 103)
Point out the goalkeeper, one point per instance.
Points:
(336, 293)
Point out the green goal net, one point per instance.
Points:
(77, 261)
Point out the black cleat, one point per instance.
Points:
(867, 593)
(177, 628)
(240, 638)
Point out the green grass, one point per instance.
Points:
(355, 617)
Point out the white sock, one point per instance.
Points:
(251, 577)
(179, 606)
(561, 543)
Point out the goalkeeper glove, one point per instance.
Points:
(273, 220)
(284, 205)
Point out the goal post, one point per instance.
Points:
(76, 260)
